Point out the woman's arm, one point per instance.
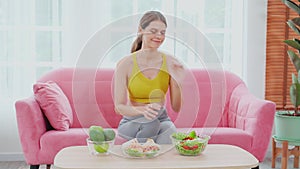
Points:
(175, 95)
(120, 89)
(177, 72)
(121, 75)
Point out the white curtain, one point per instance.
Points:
(37, 36)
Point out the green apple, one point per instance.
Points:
(101, 148)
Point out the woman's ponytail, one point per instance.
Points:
(137, 44)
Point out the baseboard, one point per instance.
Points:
(12, 157)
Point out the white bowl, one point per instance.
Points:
(132, 153)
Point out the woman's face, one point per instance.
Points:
(153, 35)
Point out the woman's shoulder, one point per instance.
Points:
(124, 65)
(125, 61)
(170, 58)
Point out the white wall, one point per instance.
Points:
(254, 65)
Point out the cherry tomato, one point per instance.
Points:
(186, 147)
(195, 147)
(188, 138)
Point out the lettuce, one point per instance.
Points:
(134, 152)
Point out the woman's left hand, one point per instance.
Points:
(177, 70)
(150, 111)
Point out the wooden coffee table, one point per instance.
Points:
(215, 156)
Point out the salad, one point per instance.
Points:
(189, 143)
(135, 149)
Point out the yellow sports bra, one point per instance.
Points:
(144, 90)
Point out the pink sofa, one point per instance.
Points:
(217, 103)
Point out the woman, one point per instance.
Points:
(141, 81)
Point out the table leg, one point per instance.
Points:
(284, 155)
(296, 157)
(273, 152)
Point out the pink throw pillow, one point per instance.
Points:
(54, 104)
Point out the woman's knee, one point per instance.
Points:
(128, 130)
(167, 126)
(152, 126)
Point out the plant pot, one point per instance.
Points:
(287, 128)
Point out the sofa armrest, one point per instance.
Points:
(253, 115)
(31, 126)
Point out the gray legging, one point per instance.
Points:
(139, 127)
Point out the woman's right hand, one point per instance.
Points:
(150, 111)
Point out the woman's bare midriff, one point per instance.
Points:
(143, 104)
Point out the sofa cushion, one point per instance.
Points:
(54, 104)
(53, 141)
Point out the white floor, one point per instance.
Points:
(266, 164)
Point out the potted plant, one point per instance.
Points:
(287, 123)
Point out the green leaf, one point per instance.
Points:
(295, 94)
(296, 21)
(293, 26)
(298, 76)
(193, 134)
(292, 43)
(295, 59)
(179, 135)
(292, 5)
(297, 40)
(294, 78)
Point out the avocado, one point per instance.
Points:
(96, 133)
(109, 134)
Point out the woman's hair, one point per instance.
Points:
(147, 18)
